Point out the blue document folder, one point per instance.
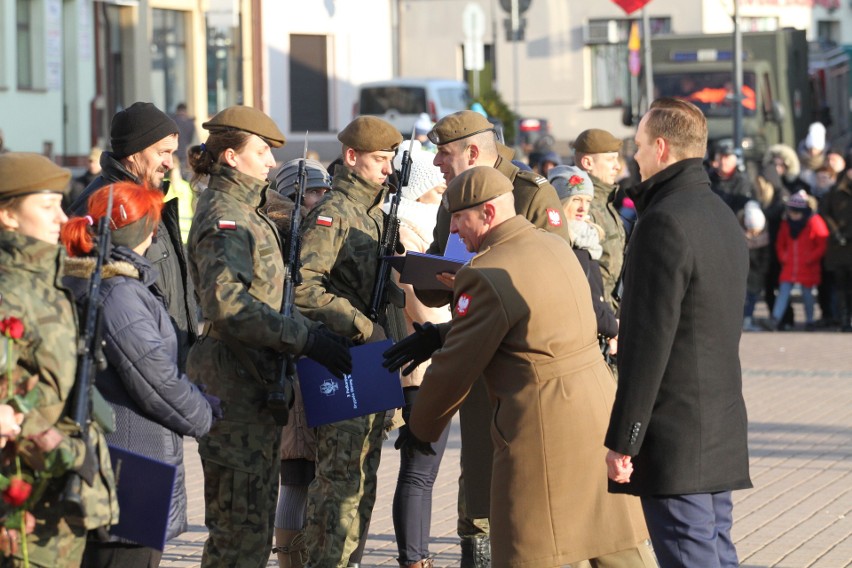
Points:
(370, 388)
(144, 487)
(455, 249)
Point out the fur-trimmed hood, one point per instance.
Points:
(122, 262)
(791, 160)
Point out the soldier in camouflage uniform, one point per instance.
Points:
(466, 139)
(236, 259)
(340, 256)
(596, 152)
(44, 360)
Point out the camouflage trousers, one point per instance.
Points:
(53, 544)
(240, 463)
(342, 495)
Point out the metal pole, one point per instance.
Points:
(646, 49)
(738, 84)
(516, 24)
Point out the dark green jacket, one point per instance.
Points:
(604, 214)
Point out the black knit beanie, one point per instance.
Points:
(138, 126)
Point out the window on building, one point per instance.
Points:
(607, 44)
(758, 24)
(828, 32)
(24, 43)
(224, 56)
(309, 83)
(169, 73)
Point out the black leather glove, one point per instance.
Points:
(409, 444)
(329, 350)
(378, 334)
(414, 349)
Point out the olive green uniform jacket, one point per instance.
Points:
(604, 214)
(523, 319)
(236, 260)
(340, 256)
(31, 290)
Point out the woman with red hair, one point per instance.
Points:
(155, 405)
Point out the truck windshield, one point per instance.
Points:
(711, 92)
(405, 100)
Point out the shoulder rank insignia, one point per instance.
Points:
(324, 220)
(227, 225)
(540, 180)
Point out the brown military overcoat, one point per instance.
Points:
(523, 319)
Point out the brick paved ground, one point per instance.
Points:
(798, 388)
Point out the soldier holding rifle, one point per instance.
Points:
(236, 258)
(39, 360)
(340, 263)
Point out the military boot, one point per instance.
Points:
(476, 551)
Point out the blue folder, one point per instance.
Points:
(144, 487)
(456, 250)
(369, 389)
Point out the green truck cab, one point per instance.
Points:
(787, 85)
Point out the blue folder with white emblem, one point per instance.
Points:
(369, 389)
(144, 491)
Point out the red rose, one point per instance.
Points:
(18, 492)
(575, 180)
(12, 327)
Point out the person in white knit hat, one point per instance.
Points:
(412, 502)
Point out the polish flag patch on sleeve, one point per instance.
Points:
(463, 305)
(324, 220)
(227, 225)
(554, 218)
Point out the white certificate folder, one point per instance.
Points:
(369, 389)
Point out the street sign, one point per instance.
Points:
(473, 21)
(629, 6)
(474, 55)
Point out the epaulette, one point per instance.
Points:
(533, 177)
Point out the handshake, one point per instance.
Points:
(414, 349)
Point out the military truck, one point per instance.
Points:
(787, 84)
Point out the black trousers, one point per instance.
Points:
(412, 501)
(109, 554)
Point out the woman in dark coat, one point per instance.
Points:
(836, 209)
(155, 405)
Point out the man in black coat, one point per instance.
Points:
(678, 431)
(143, 140)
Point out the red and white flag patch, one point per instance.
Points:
(554, 218)
(227, 225)
(324, 220)
(463, 305)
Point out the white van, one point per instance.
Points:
(401, 101)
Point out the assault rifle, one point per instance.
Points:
(280, 396)
(390, 240)
(90, 357)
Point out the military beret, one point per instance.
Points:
(247, 119)
(370, 134)
(458, 125)
(596, 141)
(22, 173)
(474, 187)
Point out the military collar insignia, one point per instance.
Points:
(554, 219)
(463, 305)
(225, 224)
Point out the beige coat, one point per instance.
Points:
(523, 318)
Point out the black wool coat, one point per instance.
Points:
(679, 409)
